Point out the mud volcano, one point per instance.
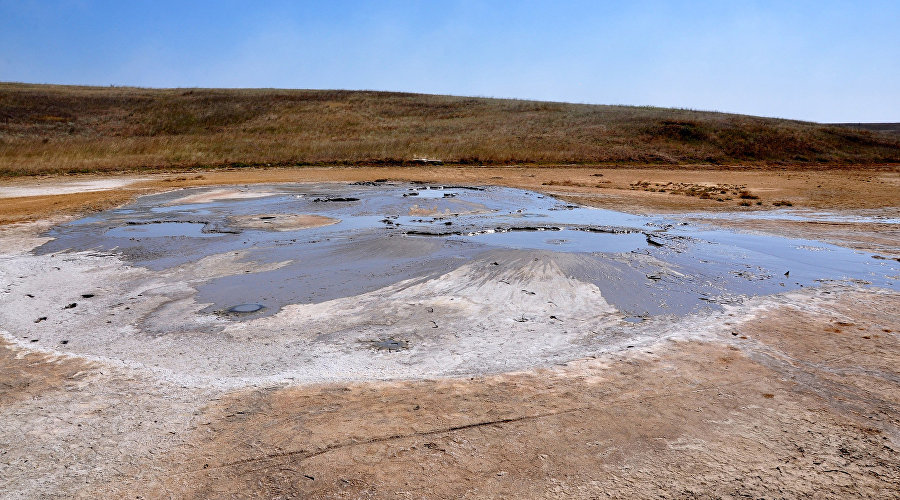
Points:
(477, 279)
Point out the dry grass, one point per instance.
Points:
(62, 129)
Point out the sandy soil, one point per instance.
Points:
(792, 395)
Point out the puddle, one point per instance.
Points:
(246, 308)
(796, 215)
(160, 230)
(571, 240)
(342, 240)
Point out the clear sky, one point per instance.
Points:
(830, 61)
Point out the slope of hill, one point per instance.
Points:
(56, 129)
(889, 128)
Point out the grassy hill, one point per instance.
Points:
(889, 128)
(54, 129)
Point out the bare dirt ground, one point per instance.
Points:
(793, 395)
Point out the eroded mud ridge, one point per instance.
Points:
(306, 282)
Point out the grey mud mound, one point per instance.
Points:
(451, 281)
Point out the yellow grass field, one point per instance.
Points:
(66, 129)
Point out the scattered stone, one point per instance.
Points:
(42, 318)
(368, 183)
(71, 306)
(87, 295)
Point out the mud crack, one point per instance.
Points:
(301, 455)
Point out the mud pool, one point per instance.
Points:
(388, 233)
(312, 282)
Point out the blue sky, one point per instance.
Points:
(823, 61)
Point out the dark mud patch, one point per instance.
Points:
(389, 345)
(335, 199)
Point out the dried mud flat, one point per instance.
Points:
(789, 394)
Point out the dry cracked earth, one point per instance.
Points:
(793, 394)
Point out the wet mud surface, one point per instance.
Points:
(378, 234)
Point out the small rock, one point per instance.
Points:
(71, 306)
(42, 318)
